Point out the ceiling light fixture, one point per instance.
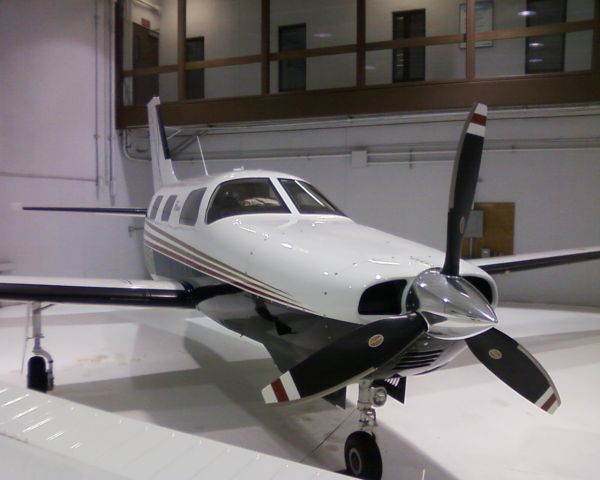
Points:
(526, 13)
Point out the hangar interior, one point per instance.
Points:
(370, 111)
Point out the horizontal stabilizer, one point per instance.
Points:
(125, 212)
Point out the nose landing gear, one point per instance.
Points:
(361, 453)
(40, 375)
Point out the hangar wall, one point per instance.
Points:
(47, 156)
(232, 28)
(545, 160)
(52, 59)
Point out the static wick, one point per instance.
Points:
(202, 155)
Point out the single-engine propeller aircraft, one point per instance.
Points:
(334, 302)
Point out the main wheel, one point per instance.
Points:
(37, 378)
(363, 459)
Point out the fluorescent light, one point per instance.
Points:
(535, 60)
(322, 35)
(536, 44)
(370, 67)
(526, 13)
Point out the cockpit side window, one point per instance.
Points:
(191, 207)
(307, 198)
(244, 196)
(154, 209)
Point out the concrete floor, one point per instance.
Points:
(181, 370)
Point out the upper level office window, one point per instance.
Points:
(194, 79)
(408, 63)
(166, 213)
(292, 73)
(191, 207)
(545, 54)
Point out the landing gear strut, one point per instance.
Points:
(363, 459)
(40, 376)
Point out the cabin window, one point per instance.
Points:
(154, 209)
(166, 213)
(307, 198)
(245, 196)
(191, 207)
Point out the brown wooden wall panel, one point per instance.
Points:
(423, 96)
(498, 230)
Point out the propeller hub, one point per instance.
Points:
(453, 308)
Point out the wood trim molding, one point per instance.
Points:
(360, 42)
(265, 46)
(530, 90)
(596, 38)
(181, 36)
(470, 40)
(536, 31)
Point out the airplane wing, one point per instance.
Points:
(119, 211)
(44, 436)
(531, 261)
(147, 293)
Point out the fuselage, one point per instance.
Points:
(296, 260)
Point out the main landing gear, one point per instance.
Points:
(363, 459)
(39, 367)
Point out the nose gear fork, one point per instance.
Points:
(361, 453)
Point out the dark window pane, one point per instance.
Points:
(547, 53)
(191, 207)
(307, 198)
(292, 73)
(408, 63)
(194, 79)
(166, 213)
(154, 209)
(244, 196)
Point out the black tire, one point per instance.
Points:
(37, 378)
(363, 459)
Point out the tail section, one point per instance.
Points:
(162, 167)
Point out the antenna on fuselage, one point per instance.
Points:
(202, 155)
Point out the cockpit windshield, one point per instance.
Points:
(307, 198)
(244, 196)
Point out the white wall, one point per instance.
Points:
(47, 130)
(556, 190)
(47, 147)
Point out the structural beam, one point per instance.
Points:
(421, 96)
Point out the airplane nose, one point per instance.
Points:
(453, 307)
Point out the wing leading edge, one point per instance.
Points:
(516, 263)
(144, 293)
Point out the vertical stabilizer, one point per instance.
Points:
(162, 167)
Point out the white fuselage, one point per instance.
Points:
(320, 264)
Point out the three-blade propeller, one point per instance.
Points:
(446, 300)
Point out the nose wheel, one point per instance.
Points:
(361, 453)
(40, 375)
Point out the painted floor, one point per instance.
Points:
(181, 370)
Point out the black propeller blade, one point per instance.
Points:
(464, 181)
(516, 367)
(347, 359)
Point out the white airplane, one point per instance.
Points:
(334, 302)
